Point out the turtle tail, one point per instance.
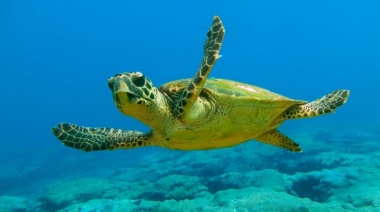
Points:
(323, 105)
(92, 139)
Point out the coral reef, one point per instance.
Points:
(249, 177)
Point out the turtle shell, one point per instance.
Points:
(231, 93)
(242, 103)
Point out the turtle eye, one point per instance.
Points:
(138, 81)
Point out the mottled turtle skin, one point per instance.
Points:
(197, 113)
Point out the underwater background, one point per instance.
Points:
(56, 57)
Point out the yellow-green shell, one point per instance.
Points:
(243, 113)
(231, 93)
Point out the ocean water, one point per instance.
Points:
(56, 57)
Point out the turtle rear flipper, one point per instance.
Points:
(323, 105)
(92, 139)
(276, 138)
(211, 53)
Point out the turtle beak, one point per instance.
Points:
(121, 85)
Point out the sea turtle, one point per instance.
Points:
(197, 113)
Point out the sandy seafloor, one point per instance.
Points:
(338, 170)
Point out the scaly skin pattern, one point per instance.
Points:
(92, 139)
(212, 47)
(323, 105)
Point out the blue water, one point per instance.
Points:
(56, 57)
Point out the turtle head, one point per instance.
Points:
(133, 94)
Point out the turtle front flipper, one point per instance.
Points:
(92, 139)
(211, 53)
(276, 138)
(323, 105)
